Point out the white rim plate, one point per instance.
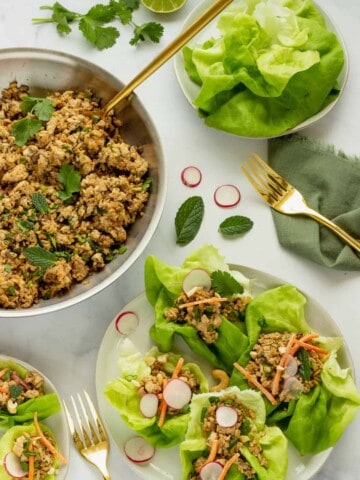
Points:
(165, 465)
(56, 422)
(191, 89)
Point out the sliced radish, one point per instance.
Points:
(191, 176)
(226, 416)
(227, 196)
(12, 466)
(211, 471)
(177, 394)
(290, 367)
(126, 322)
(138, 450)
(293, 387)
(197, 278)
(149, 404)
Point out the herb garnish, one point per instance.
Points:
(15, 390)
(235, 225)
(39, 202)
(188, 219)
(225, 284)
(39, 257)
(70, 180)
(93, 23)
(305, 366)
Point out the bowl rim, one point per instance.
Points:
(54, 55)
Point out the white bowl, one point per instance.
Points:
(46, 70)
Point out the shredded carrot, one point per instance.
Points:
(178, 367)
(46, 442)
(228, 465)
(213, 451)
(204, 300)
(31, 470)
(3, 371)
(279, 369)
(4, 390)
(309, 346)
(255, 382)
(162, 408)
(305, 338)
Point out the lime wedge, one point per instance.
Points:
(163, 6)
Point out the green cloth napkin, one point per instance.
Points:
(330, 183)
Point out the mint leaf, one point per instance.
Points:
(225, 284)
(188, 220)
(70, 180)
(25, 129)
(39, 202)
(151, 30)
(101, 37)
(39, 257)
(235, 225)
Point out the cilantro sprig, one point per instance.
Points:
(71, 181)
(94, 23)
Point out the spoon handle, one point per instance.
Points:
(167, 53)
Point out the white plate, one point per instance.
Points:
(191, 89)
(165, 465)
(56, 422)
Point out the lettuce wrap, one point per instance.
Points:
(123, 394)
(163, 284)
(45, 404)
(7, 442)
(271, 464)
(315, 420)
(273, 65)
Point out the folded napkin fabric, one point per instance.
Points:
(330, 183)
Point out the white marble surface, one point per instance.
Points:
(64, 345)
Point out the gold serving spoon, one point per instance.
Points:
(126, 92)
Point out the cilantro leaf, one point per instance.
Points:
(188, 219)
(151, 30)
(235, 225)
(101, 13)
(39, 202)
(39, 257)
(225, 284)
(15, 390)
(25, 129)
(61, 16)
(70, 180)
(101, 37)
(122, 11)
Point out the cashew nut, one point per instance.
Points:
(223, 379)
(11, 406)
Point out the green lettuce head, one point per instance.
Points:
(45, 405)
(122, 393)
(7, 443)
(316, 420)
(163, 284)
(271, 440)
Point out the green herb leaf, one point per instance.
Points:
(101, 37)
(262, 321)
(122, 11)
(235, 225)
(70, 180)
(15, 390)
(225, 284)
(39, 257)
(41, 107)
(25, 129)
(101, 13)
(11, 290)
(39, 202)
(151, 30)
(188, 220)
(305, 365)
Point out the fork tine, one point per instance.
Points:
(86, 438)
(269, 177)
(74, 433)
(274, 175)
(260, 185)
(101, 430)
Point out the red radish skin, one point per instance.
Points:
(191, 176)
(138, 450)
(227, 196)
(290, 367)
(149, 404)
(126, 322)
(12, 466)
(211, 471)
(293, 386)
(177, 394)
(197, 278)
(226, 416)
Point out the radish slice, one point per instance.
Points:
(226, 416)
(177, 394)
(294, 387)
(227, 196)
(126, 323)
(149, 404)
(211, 471)
(197, 278)
(291, 367)
(191, 176)
(12, 466)
(138, 450)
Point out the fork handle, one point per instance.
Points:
(355, 244)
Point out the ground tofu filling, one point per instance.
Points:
(86, 230)
(15, 390)
(28, 445)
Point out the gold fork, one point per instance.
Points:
(89, 434)
(284, 198)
